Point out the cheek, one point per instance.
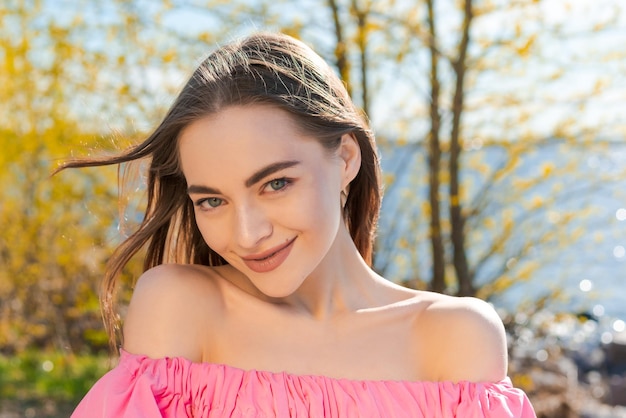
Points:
(320, 210)
(211, 233)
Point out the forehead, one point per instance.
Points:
(239, 139)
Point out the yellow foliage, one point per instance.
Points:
(50, 272)
(536, 203)
(547, 169)
(205, 37)
(556, 74)
(526, 271)
(522, 380)
(524, 50)
(489, 223)
(521, 184)
(600, 85)
(499, 285)
(454, 200)
(388, 178)
(169, 56)
(124, 89)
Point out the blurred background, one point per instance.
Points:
(502, 131)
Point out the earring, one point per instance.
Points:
(344, 196)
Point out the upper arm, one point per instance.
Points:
(467, 341)
(167, 313)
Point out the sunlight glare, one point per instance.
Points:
(598, 310)
(542, 355)
(47, 366)
(585, 285)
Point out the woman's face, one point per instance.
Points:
(266, 196)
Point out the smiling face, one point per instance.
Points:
(266, 196)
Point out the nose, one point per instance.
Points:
(252, 226)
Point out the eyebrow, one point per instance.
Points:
(269, 170)
(252, 180)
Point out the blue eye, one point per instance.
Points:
(277, 184)
(214, 201)
(211, 202)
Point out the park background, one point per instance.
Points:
(502, 132)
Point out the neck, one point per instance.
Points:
(342, 283)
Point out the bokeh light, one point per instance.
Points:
(585, 285)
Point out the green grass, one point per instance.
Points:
(44, 377)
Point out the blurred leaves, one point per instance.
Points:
(44, 375)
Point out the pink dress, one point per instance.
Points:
(176, 387)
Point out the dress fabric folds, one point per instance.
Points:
(175, 387)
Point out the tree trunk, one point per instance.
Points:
(437, 282)
(342, 62)
(457, 220)
(362, 35)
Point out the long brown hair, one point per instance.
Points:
(264, 68)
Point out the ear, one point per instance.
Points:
(350, 153)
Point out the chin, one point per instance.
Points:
(278, 293)
(277, 287)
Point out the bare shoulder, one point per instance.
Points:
(170, 311)
(463, 339)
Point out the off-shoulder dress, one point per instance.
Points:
(140, 386)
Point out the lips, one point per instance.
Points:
(270, 259)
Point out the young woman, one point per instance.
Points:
(258, 298)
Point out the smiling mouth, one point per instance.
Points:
(265, 258)
(263, 263)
